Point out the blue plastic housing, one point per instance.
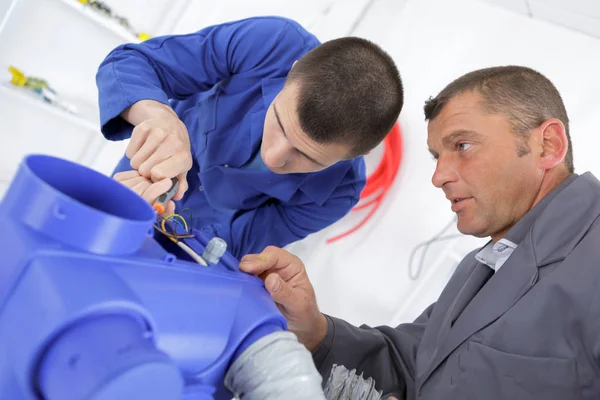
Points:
(93, 307)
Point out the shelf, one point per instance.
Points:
(29, 125)
(101, 20)
(62, 41)
(85, 113)
(84, 11)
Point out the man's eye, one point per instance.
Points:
(464, 146)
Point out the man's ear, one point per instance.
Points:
(554, 143)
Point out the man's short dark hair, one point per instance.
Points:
(350, 91)
(526, 96)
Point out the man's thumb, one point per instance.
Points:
(280, 291)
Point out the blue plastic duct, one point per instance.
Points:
(92, 307)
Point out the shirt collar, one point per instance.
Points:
(495, 255)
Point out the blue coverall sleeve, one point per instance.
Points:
(177, 66)
(279, 224)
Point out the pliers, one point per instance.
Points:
(160, 204)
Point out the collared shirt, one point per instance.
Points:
(221, 81)
(496, 254)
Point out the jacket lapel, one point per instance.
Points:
(486, 304)
(438, 325)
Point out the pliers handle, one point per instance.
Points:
(160, 204)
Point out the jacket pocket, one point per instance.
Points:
(487, 373)
(201, 119)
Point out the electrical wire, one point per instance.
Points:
(195, 256)
(380, 181)
(178, 217)
(425, 245)
(161, 225)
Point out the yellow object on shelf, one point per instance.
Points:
(143, 36)
(83, 1)
(18, 77)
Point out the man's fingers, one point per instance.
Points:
(138, 137)
(258, 263)
(147, 189)
(253, 264)
(162, 153)
(170, 209)
(177, 164)
(272, 259)
(126, 175)
(141, 186)
(156, 189)
(130, 183)
(146, 151)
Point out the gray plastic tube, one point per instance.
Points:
(275, 367)
(346, 385)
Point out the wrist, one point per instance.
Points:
(146, 109)
(318, 334)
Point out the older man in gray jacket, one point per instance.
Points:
(520, 318)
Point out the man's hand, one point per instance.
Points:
(147, 189)
(286, 280)
(160, 145)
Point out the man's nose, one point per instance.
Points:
(444, 172)
(277, 155)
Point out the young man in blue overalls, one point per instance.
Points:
(263, 125)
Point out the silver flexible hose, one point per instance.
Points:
(347, 385)
(275, 367)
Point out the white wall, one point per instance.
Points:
(326, 19)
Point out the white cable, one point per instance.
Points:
(439, 265)
(425, 245)
(192, 254)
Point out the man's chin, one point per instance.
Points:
(465, 226)
(471, 230)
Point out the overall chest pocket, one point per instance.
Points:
(487, 373)
(200, 120)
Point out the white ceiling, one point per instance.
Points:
(579, 15)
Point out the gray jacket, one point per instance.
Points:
(532, 331)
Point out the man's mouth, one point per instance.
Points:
(457, 203)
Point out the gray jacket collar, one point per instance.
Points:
(565, 219)
(518, 232)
